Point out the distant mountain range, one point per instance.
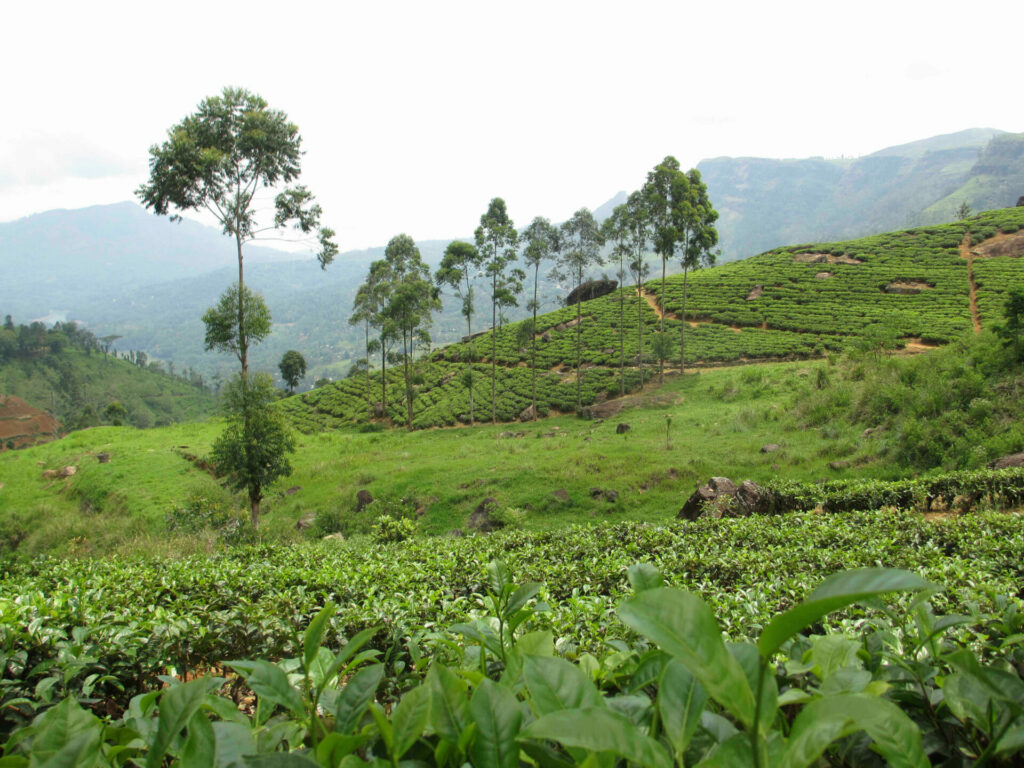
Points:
(121, 270)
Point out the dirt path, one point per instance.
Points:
(652, 301)
(965, 252)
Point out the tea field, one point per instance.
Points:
(797, 302)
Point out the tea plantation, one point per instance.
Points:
(795, 302)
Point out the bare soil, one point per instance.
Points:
(24, 425)
(966, 253)
(1002, 245)
(825, 258)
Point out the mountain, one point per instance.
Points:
(765, 203)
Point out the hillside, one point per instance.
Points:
(911, 287)
(766, 203)
(67, 373)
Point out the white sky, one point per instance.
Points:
(415, 114)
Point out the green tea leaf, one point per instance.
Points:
(449, 706)
(556, 684)
(599, 730)
(683, 626)
(177, 706)
(681, 700)
(409, 719)
(356, 698)
(644, 576)
(498, 718)
(270, 683)
(315, 633)
(837, 591)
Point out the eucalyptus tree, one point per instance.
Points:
(460, 264)
(581, 242)
(368, 309)
(217, 160)
(227, 331)
(628, 230)
(496, 240)
(697, 236)
(411, 300)
(541, 242)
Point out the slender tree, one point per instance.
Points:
(541, 242)
(581, 241)
(223, 332)
(368, 308)
(217, 159)
(496, 239)
(459, 266)
(627, 227)
(697, 236)
(412, 299)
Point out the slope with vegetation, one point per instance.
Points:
(803, 301)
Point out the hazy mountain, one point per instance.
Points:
(765, 203)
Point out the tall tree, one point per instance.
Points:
(627, 228)
(217, 159)
(697, 236)
(496, 239)
(293, 368)
(368, 308)
(541, 242)
(412, 299)
(223, 332)
(459, 266)
(581, 241)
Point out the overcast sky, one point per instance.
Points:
(414, 115)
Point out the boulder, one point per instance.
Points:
(1013, 460)
(103, 458)
(305, 521)
(770, 448)
(591, 289)
(363, 499)
(49, 474)
(711, 499)
(622, 429)
(293, 490)
(561, 494)
(839, 464)
(67, 472)
(546, 336)
(596, 493)
(506, 435)
(481, 518)
(529, 413)
(611, 496)
(334, 537)
(751, 499)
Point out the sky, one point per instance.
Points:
(415, 114)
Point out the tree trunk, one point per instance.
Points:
(533, 340)
(406, 351)
(661, 303)
(383, 377)
(682, 327)
(369, 395)
(243, 344)
(254, 511)
(579, 329)
(640, 330)
(494, 348)
(622, 329)
(469, 365)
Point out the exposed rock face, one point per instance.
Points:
(722, 498)
(1013, 460)
(622, 429)
(591, 289)
(481, 518)
(755, 292)
(363, 499)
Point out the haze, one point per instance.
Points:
(414, 115)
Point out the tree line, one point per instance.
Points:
(671, 215)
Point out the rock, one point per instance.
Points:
(363, 499)
(420, 511)
(103, 458)
(546, 336)
(293, 490)
(823, 276)
(1013, 460)
(611, 496)
(49, 474)
(840, 464)
(751, 499)
(529, 413)
(455, 533)
(561, 494)
(868, 432)
(378, 410)
(596, 493)
(305, 521)
(506, 435)
(770, 448)
(709, 500)
(481, 519)
(67, 472)
(591, 289)
(333, 537)
(1020, 201)
(622, 429)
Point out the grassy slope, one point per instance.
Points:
(720, 420)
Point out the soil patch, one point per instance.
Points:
(1002, 245)
(22, 425)
(825, 258)
(966, 253)
(907, 287)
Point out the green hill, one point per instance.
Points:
(804, 301)
(67, 372)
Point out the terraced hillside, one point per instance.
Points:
(919, 286)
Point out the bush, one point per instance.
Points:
(389, 530)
